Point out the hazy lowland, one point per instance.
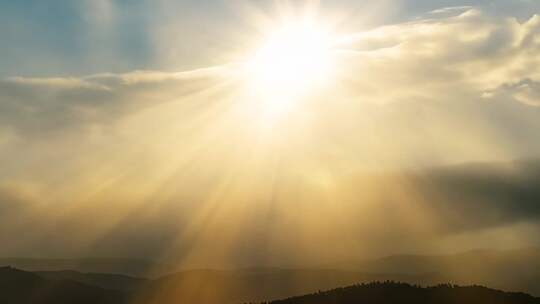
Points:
(294, 152)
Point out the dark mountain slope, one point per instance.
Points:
(400, 293)
(20, 287)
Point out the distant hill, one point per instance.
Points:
(21, 287)
(131, 267)
(392, 293)
(103, 280)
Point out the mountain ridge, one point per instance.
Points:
(393, 292)
(196, 286)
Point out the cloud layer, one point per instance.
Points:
(169, 160)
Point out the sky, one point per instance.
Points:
(67, 38)
(129, 128)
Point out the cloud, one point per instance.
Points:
(472, 52)
(482, 196)
(472, 55)
(467, 76)
(451, 9)
(34, 106)
(526, 91)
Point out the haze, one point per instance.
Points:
(140, 130)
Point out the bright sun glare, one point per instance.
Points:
(292, 61)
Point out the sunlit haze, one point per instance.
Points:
(227, 135)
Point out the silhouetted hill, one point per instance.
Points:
(392, 293)
(131, 267)
(20, 287)
(508, 270)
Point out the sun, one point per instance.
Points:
(294, 59)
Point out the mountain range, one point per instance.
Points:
(514, 270)
(22, 287)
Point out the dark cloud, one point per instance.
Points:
(483, 196)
